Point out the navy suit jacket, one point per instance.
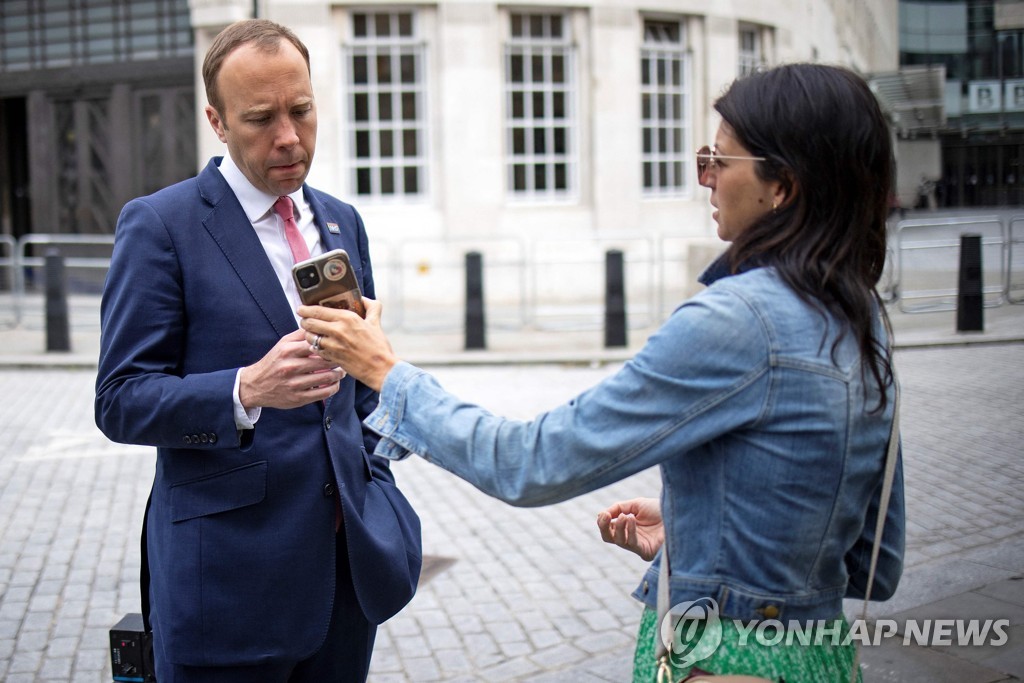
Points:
(241, 524)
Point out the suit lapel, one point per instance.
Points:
(332, 230)
(231, 230)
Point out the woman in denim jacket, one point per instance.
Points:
(766, 400)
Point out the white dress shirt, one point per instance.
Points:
(269, 227)
(259, 208)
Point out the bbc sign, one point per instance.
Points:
(992, 97)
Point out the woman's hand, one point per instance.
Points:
(635, 525)
(358, 346)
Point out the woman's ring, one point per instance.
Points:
(315, 346)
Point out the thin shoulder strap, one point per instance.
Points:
(661, 654)
(883, 505)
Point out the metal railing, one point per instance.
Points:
(50, 240)
(24, 258)
(526, 285)
(940, 247)
(419, 272)
(554, 262)
(1015, 237)
(549, 284)
(8, 259)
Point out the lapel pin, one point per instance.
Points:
(333, 228)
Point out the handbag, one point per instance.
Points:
(661, 649)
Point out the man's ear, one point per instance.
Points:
(216, 122)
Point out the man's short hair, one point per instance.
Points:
(264, 34)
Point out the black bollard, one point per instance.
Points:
(970, 301)
(475, 321)
(58, 337)
(614, 300)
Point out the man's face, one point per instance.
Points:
(268, 120)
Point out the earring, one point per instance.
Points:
(775, 206)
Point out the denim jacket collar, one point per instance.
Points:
(720, 269)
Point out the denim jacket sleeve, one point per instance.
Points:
(890, 550)
(694, 380)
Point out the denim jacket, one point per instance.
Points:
(770, 449)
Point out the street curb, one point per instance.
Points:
(61, 361)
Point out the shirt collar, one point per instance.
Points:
(720, 268)
(255, 202)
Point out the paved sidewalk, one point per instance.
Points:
(510, 594)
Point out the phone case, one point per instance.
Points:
(329, 280)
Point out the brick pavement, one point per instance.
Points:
(71, 504)
(530, 595)
(967, 487)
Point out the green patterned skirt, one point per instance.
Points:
(791, 661)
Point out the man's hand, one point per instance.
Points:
(289, 376)
(635, 525)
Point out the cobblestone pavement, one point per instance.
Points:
(529, 595)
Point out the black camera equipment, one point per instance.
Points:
(131, 651)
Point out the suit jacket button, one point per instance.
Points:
(328, 490)
(204, 438)
(213, 437)
(188, 440)
(327, 423)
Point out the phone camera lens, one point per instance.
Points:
(308, 277)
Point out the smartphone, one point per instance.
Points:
(329, 280)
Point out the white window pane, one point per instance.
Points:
(539, 90)
(664, 106)
(385, 106)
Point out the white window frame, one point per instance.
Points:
(666, 124)
(541, 151)
(751, 53)
(379, 166)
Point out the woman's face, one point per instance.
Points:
(739, 196)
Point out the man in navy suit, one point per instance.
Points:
(274, 543)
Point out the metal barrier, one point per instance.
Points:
(529, 283)
(943, 251)
(551, 309)
(7, 265)
(1014, 238)
(888, 283)
(93, 262)
(427, 274)
(557, 284)
(22, 260)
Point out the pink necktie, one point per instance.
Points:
(283, 207)
(300, 252)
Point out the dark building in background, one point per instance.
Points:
(97, 105)
(981, 45)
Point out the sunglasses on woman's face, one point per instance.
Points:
(707, 160)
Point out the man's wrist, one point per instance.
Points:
(245, 417)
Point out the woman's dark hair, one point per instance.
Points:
(824, 137)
